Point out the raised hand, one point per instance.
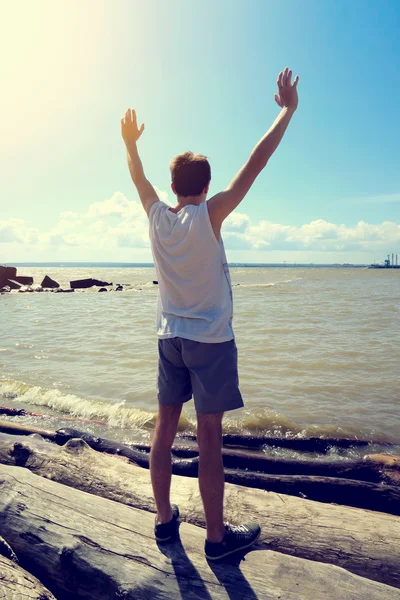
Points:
(287, 90)
(129, 129)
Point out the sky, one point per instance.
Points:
(202, 77)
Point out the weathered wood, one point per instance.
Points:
(367, 496)
(348, 492)
(19, 429)
(385, 498)
(388, 464)
(363, 542)
(7, 551)
(16, 583)
(373, 468)
(90, 547)
(311, 444)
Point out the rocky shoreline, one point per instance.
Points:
(11, 281)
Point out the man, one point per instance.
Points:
(197, 351)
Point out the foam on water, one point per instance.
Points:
(120, 415)
(115, 414)
(266, 285)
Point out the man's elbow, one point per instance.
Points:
(258, 162)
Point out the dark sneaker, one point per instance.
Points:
(236, 538)
(166, 532)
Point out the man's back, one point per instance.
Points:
(195, 305)
(195, 299)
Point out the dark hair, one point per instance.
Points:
(190, 173)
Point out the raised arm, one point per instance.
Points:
(130, 134)
(222, 204)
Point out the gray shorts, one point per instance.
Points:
(206, 371)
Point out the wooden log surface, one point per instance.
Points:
(361, 541)
(21, 429)
(310, 444)
(16, 583)
(7, 551)
(372, 496)
(89, 547)
(305, 444)
(348, 492)
(377, 468)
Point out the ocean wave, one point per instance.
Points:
(114, 414)
(263, 422)
(261, 285)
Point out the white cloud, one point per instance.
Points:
(18, 231)
(112, 228)
(318, 235)
(162, 195)
(237, 222)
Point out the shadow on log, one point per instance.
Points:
(363, 542)
(88, 547)
(15, 581)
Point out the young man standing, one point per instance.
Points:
(197, 351)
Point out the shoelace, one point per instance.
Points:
(240, 530)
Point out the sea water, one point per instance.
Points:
(318, 352)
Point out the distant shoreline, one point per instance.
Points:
(105, 265)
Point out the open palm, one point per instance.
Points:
(129, 129)
(287, 90)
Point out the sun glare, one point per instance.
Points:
(48, 53)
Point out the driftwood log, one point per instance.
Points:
(375, 468)
(331, 482)
(88, 547)
(310, 444)
(15, 582)
(251, 470)
(361, 541)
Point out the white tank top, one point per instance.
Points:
(195, 292)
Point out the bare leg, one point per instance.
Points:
(211, 473)
(160, 458)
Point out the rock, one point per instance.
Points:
(23, 280)
(103, 289)
(13, 285)
(5, 289)
(119, 288)
(7, 273)
(48, 282)
(87, 283)
(155, 282)
(39, 289)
